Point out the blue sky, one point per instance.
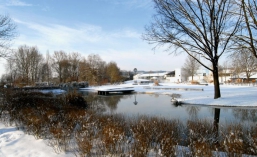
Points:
(111, 28)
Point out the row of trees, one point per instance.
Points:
(205, 28)
(27, 66)
(240, 63)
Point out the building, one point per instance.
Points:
(242, 78)
(205, 75)
(161, 76)
(201, 74)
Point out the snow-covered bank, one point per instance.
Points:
(15, 143)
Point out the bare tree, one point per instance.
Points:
(22, 58)
(27, 62)
(95, 67)
(244, 62)
(74, 59)
(190, 66)
(249, 26)
(46, 70)
(11, 70)
(35, 62)
(7, 33)
(82, 69)
(202, 27)
(113, 72)
(60, 64)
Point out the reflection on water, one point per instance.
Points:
(135, 102)
(246, 114)
(193, 112)
(162, 106)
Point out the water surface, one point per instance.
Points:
(162, 106)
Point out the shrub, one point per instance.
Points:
(233, 141)
(75, 99)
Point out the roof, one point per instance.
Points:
(171, 73)
(243, 75)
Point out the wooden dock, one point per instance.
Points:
(107, 91)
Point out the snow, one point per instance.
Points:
(14, 143)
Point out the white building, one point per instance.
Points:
(172, 76)
(201, 76)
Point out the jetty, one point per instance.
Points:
(111, 90)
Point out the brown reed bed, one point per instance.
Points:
(68, 123)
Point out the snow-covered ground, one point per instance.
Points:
(14, 143)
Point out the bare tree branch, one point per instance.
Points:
(203, 27)
(7, 34)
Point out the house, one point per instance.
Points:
(241, 78)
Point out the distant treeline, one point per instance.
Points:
(27, 65)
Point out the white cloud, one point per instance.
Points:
(61, 34)
(84, 32)
(17, 3)
(82, 37)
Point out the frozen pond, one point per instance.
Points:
(161, 105)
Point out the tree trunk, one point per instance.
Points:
(248, 77)
(216, 81)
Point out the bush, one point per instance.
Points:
(75, 99)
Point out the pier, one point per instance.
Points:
(108, 91)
